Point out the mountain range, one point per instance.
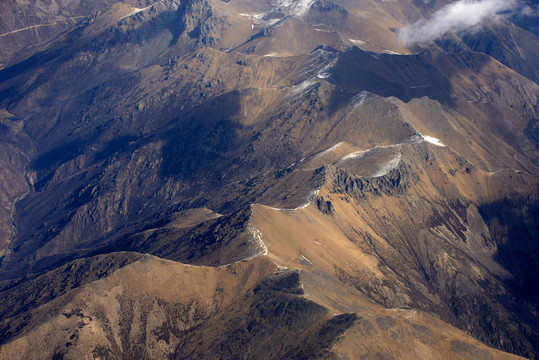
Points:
(268, 179)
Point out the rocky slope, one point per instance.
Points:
(153, 309)
(266, 179)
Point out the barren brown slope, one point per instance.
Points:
(418, 238)
(27, 28)
(207, 133)
(153, 309)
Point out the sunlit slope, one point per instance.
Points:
(153, 309)
(185, 179)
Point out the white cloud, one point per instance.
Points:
(462, 15)
(530, 11)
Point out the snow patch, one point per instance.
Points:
(416, 138)
(271, 22)
(258, 19)
(137, 10)
(490, 173)
(355, 154)
(360, 153)
(312, 195)
(333, 148)
(359, 99)
(433, 140)
(309, 198)
(323, 73)
(303, 6)
(253, 16)
(407, 313)
(419, 138)
(297, 8)
(388, 166)
(324, 57)
(302, 88)
(392, 52)
(257, 239)
(274, 208)
(357, 42)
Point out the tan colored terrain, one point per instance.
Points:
(154, 308)
(264, 179)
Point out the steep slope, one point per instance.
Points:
(251, 309)
(418, 238)
(237, 138)
(27, 27)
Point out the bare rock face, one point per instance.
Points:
(265, 179)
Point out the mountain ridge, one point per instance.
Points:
(222, 138)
